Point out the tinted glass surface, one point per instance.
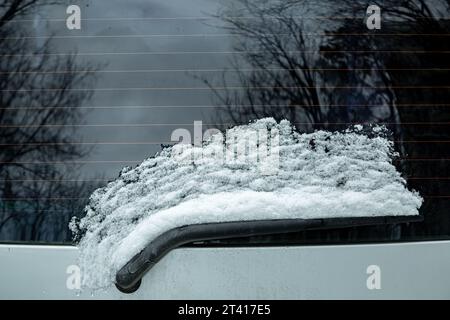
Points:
(76, 106)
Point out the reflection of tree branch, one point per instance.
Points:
(13, 8)
(272, 43)
(273, 46)
(27, 111)
(6, 219)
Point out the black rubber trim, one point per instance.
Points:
(129, 276)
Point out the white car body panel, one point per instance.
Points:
(419, 270)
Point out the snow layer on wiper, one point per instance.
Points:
(317, 175)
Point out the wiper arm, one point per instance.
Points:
(128, 278)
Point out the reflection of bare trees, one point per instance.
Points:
(10, 9)
(283, 64)
(293, 75)
(425, 55)
(287, 72)
(35, 93)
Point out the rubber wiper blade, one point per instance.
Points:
(128, 278)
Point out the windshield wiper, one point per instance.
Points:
(128, 278)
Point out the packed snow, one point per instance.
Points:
(317, 175)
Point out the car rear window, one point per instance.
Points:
(91, 87)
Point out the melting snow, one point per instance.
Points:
(319, 175)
